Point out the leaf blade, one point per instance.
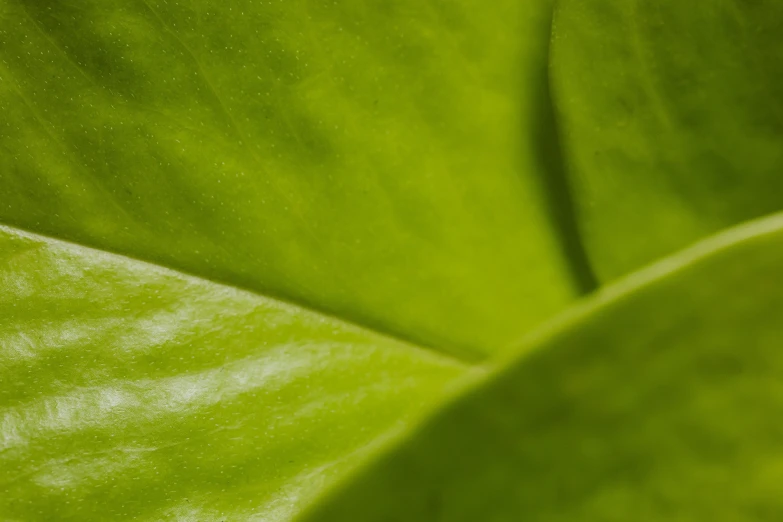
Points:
(134, 391)
(295, 149)
(655, 397)
(670, 115)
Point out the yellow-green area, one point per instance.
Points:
(133, 392)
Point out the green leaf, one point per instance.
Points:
(249, 249)
(657, 399)
(305, 168)
(374, 160)
(671, 114)
(130, 391)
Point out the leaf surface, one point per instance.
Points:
(671, 115)
(374, 160)
(658, 399)
(129, 391)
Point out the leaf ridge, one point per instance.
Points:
(444, 355)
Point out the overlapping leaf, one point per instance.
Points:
(659, 398)
(671, 114)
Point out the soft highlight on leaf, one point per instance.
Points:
(134, 392)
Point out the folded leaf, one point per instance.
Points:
(671, 115)
(374, 160)
(128, 391)
(658, 399)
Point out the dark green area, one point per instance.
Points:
(672, 121)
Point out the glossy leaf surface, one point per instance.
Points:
(672, 115)
(658, 399)
(129, 391)
(372, 160)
